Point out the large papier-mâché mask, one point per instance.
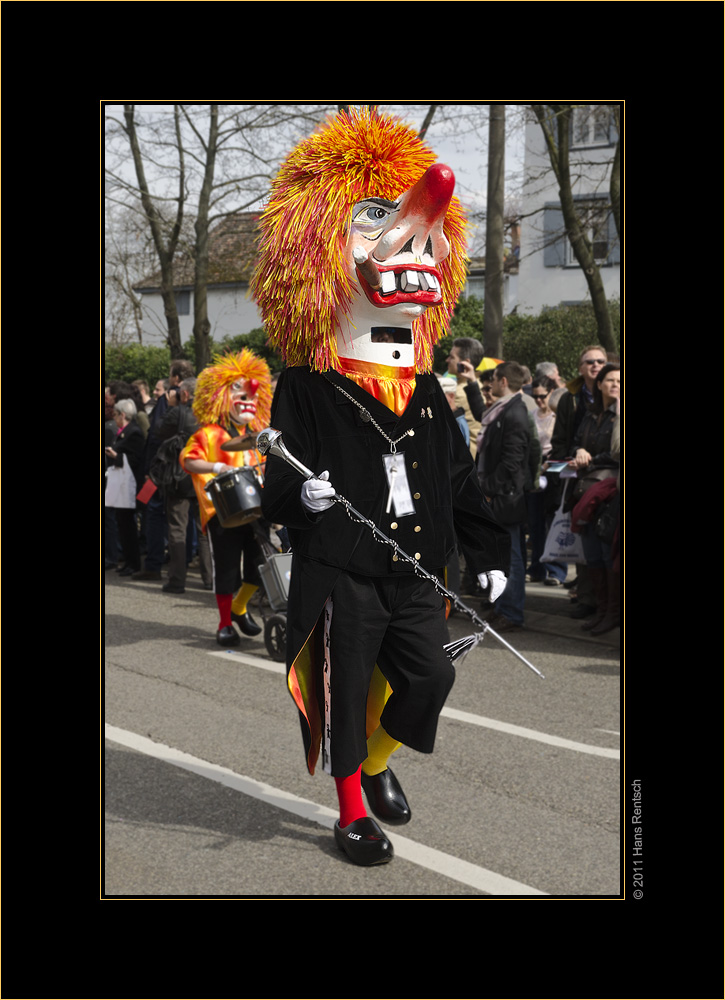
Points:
(234, 389)
(365, 184)
(243, 401)
(392, 252)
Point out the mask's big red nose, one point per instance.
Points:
(431, 196)
(253, 386)
(420, 217)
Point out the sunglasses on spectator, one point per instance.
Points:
(594, 361)
(544, 396)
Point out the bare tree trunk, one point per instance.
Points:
(202, 326)
(426, 122)
(615, 182)
(165, 249)
(493, 302)
(558, 149)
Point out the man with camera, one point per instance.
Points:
(465, 349)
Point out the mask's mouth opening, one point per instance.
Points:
(404, 283)
(391, 335)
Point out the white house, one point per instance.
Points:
(549, 274)
(230, 307)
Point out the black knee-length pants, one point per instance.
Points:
(399, 623)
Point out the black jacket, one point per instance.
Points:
(178, 420)
(324, 430)
(503, 461)
(595, 434)
(130, 442)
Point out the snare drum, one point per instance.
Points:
(236, 497)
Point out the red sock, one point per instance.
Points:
(349, 794)
(224, 603)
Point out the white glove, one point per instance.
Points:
(317, 493)
(494, 582)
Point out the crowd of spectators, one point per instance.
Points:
(151, 512)
(541, 445)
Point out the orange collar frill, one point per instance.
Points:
(391, 385)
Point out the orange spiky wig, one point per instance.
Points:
(212, 397)
(301, 277)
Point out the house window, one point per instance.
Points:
(183, 302)
(592, 125)
(594, 218)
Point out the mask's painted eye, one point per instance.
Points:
(374, 214)
(371, 218)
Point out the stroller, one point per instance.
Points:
(275, 573)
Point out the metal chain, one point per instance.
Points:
(368, 418)
(358, 518)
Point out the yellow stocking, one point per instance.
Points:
(239, 604)
(380, 748)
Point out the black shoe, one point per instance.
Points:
(499, 623)
(227, 636)
(364, 842)
(246, 623)
(147, 574)
(126, 571)
(170, 588)
(583, 611)
(386, 797)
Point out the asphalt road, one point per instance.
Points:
(206, 792)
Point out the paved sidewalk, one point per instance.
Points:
(548, 609)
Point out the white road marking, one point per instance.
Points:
(454, 713)
(529, 734)
(426, 857)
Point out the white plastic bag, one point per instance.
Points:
(120, 486)
(562, 544)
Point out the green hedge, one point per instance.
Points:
(557, 335)
(125, 364)
(152, 363)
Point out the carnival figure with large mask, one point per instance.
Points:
(362, 258)
(232, 400)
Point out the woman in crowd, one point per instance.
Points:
(597, 463)
(541, 503)
(117, 390)
(124, 460)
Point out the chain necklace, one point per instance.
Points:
(369, 419)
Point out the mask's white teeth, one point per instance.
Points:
(388, 282)
(409, 281)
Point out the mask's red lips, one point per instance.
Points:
(243, 407)
(404, 283)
